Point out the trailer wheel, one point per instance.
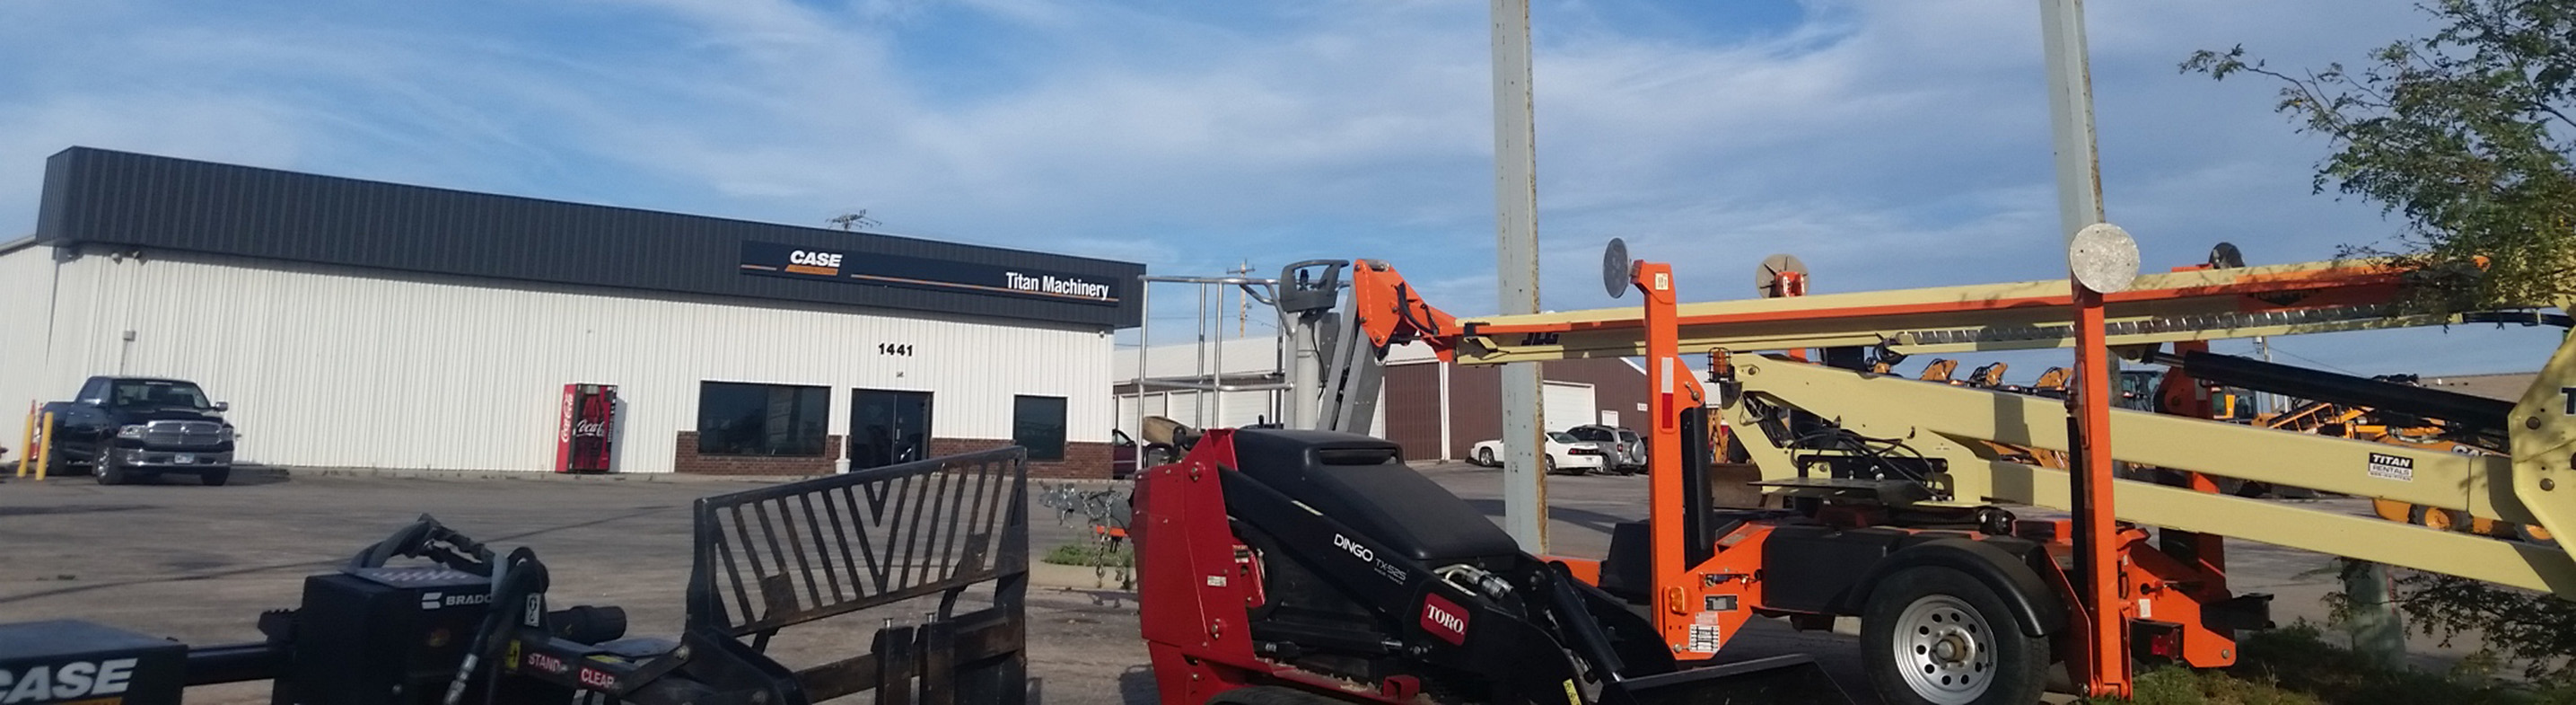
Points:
(1935, 636)
(1271, 695)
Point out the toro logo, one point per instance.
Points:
(78, 679)
(1345, 543)
(812, 262)
(595, 678)
(1444, 619)
(547, 663)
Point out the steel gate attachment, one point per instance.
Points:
(777, 557)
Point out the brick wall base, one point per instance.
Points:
(1081, 460)
(686, 459)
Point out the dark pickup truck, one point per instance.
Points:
(133, 428)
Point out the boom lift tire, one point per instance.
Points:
(1933, 635)
(1272, 695)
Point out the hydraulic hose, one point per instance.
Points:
(518, 578)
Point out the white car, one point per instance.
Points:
(1564, 454)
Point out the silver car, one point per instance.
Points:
(1628, 450)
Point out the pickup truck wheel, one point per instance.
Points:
(108, 471)
(215, 478)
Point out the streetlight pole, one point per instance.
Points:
(1516, 271)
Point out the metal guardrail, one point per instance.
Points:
(776, 557)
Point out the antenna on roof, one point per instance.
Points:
(853, 220)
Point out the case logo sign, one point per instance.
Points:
(1444, 619)
(78, 679)
(958, 276)
(815, 262)
(2392, 467)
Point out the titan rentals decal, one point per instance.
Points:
(2392, 467)
(794, 262)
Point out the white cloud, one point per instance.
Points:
(1887, 143)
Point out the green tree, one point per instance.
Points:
(2465, 134)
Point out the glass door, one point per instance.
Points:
(888, 427)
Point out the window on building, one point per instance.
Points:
(888, 427)
(762, 419)
(1037, 423)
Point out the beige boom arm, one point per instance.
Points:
(1943, 421)
(2290, 299)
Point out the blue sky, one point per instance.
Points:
(1886, 143)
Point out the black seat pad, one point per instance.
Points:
(1363, 483)
(1628, 572)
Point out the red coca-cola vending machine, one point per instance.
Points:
(581, 436)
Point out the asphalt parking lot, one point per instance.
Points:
(200, 563)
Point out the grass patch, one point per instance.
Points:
(2297, 666)
(1092, 555)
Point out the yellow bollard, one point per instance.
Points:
(45, 459)
(27, 441)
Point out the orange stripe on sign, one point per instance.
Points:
(811, 269)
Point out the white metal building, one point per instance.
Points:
(1436, 410)
(1177, 378)
(362, 324)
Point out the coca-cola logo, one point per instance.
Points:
(590, 428)
(565, 425)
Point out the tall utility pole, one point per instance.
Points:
(2263, 401)
(2079, 206)
(1516, 271)
(1242, 301)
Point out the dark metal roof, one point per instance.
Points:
(121, 198)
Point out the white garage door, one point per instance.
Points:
(1242, 408)
(1566, 405)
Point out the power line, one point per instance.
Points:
(2276, 347)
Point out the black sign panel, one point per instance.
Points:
(772, 259)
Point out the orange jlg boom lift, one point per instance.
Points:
(1902, 506)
